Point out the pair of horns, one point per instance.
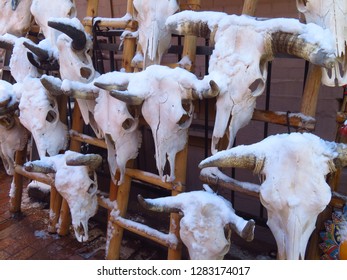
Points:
(90, 160)
(276, 42)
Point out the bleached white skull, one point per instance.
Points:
(331, 14)
(294, 190)
(154, 38)
(44, 10)
(13, 136)
(167, 98)
(238, 64)
(75, 180)
(39, 113)
(75, 62)
(15, 17)
(205, 227)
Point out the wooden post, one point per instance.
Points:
(92, 11)
(249, 7)
(181, 176)
(55, 205)
(16, 195)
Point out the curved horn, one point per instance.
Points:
(91, 160)
(78, 36)
(42, 54)
(341, 160)
(53, 88)
(110, 87)
(145, 203)
(39, 166)
(44, 65)
(229, 158)
(301, 6)
(213, 91)
(199, 28)
(127, 97)
(283, 42)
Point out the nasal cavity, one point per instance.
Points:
(85, 72)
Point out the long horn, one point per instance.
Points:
(110, 87)
(283, 42)
(149, 204)
(229, 158)
(42, 54)
(53, 88)
(341, 160)
(43, 65)
(78, 36)
(91, 160)
(39, 166)
(127, 97)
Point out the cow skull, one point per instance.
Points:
(72, 180)
(294, 190)
(167, 98)
(39, 113)
(13, 136)
(238, 64)
(154, 38)
(330, 14)
(205, 227)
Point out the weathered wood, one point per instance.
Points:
(144, 231)
(249, 7)
(109, 22)
(194, 5)
(80, 137)
(295, 120)
(92, 11)
(17, 188)
(54, 212)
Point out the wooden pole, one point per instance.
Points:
(92, 11)
(16, 192)
(249, 7)
(54, 213)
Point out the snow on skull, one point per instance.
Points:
(13, 136)
(75, 180)
(207, 221)
(330, 14)
(167, 98)
(294, 190)
(238, 64)
(154, 38)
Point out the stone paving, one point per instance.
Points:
(25, 237)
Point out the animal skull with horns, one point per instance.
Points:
(166, 96)
(13, 136)
(207, 221)
(294, 190)
(112, 116)
(73, 181)
(38, 108)
(154, 38)
(331, 14)
(238, 64)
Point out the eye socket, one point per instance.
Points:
(51, 116)
(187, 106)
(128, 124)
(257, 87)
(92, 189)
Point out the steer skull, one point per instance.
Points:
(73, 173)
(294, 190)
(238, 64)
(331, 14)
(13, 136)
(205, 227)
(167, 98)
(154, 38)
